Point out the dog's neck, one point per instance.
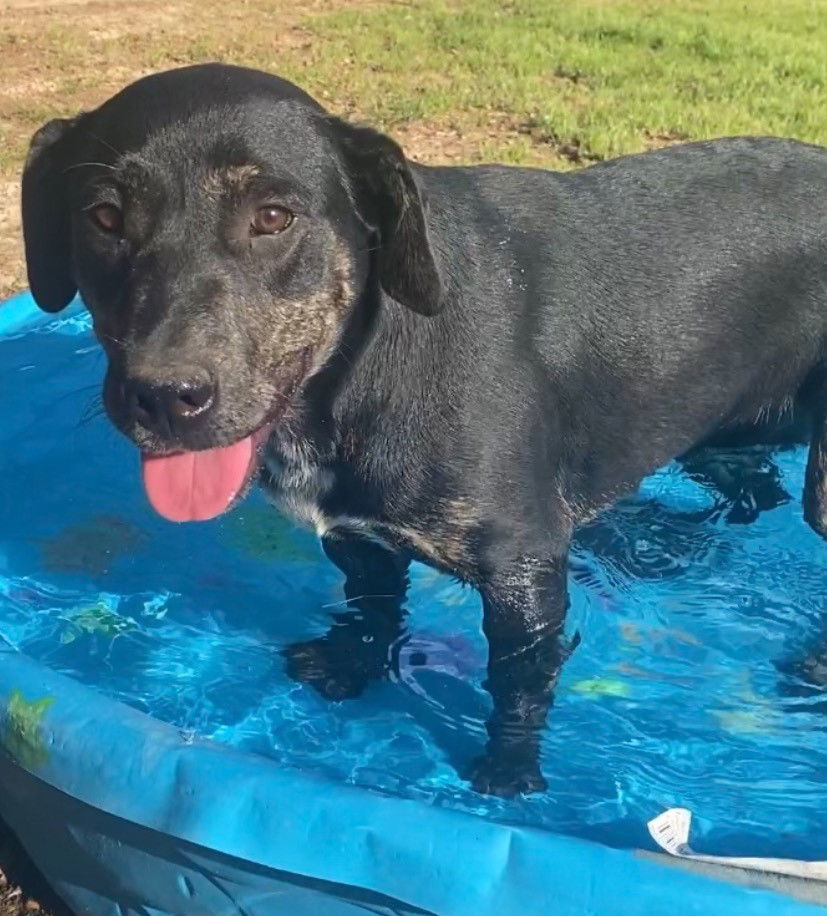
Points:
(388, 357)
(391, 366)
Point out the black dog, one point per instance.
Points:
(457, 365)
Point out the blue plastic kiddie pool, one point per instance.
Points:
(157, 760)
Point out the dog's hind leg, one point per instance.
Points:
(805, 677)
(746, 481)
(737, 462)
(815, 481)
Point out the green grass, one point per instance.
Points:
(576, 80)
(607, 77)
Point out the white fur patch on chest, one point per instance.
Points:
(297, 483)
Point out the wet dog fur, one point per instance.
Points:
(457, 365)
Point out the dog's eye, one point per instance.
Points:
(270, 220)
(107, 218)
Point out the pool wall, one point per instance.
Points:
(127, 815)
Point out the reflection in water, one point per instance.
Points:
(91, 546)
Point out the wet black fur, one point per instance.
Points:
(520, 349)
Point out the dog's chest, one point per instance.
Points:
(296, 481)
(302, 487)
(299, 485)
(306, 489)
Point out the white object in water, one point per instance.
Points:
(670, 831)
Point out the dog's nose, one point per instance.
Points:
(172, 404)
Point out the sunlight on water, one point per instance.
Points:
(680, 693)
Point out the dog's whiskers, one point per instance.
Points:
(93, 410)
(348, 602)
(103, 142)
(116, 340)
(345, 357)
(85, 165)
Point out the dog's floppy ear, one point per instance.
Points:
(391, 202)
(46, 218)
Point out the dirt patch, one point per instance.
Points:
(657, 139)
(41, 4)
(13, 902)
(465, 139)
(569, 149)
(16, 873)
(12, 268)
(474, 137)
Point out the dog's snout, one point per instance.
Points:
(172, 404)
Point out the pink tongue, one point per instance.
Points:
(196, 486)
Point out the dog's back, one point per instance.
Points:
(663, 298)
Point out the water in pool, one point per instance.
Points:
(674, 696)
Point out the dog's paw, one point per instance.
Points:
(328, 667)
(505, 777)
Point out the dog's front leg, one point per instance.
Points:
(524, 609)
(356, 648)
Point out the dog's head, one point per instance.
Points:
(222, 230)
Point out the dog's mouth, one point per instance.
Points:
(196, 486)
